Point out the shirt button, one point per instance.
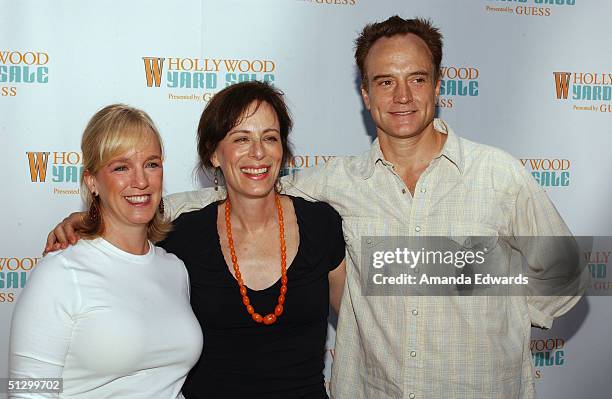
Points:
(412, 354)
(403, 191)
(417, 229)
(415, 312)
(423, 189)
(412, 396)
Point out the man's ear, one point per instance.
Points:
(365, 96)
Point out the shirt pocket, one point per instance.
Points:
(368, 231)
(484, 242)
(478, 212)
(363, 235)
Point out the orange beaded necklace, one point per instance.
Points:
(270, 318)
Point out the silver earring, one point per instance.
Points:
(216, 179)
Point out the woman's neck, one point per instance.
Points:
(133, 241)
(253, 214)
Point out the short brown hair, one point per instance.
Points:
(114, 130)
(227, 109)
(398, 26)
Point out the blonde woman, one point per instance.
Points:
(111, 315)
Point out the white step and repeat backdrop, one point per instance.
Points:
(533, 77)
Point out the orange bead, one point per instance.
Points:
(278, 310)
(269, 319)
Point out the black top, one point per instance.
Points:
(242, 358)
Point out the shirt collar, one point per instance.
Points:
(451, 151)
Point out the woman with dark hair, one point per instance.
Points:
(264, 267)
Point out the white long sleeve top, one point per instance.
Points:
(110, 323)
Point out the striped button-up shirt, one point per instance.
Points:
(426, 346)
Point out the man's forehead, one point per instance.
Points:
(399, 50)
(403, 43)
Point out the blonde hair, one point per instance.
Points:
(112, 131)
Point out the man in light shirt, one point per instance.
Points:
(420, 179)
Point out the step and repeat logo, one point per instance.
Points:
(198, 79)
(587, 91)
(13, 276)
(57, 167)
(331, 2)
(300, 162)
(457, 83)
(547, 353)
(598, 262)
(22, 69)
(549, 172)
(527, 8)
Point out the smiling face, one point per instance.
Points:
(400, 91)
(130, 187)
(250, 155)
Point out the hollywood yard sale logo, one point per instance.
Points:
(197, 79)
(587, 91)
(547, 353)
(527, 8)
(21, 69)
(300, 162)
(56, 167)
(13, 276)
(549, 172)
(456, 83)
(332, 2)
(598, 262)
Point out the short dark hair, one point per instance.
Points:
(227, 109)
(398, 26)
